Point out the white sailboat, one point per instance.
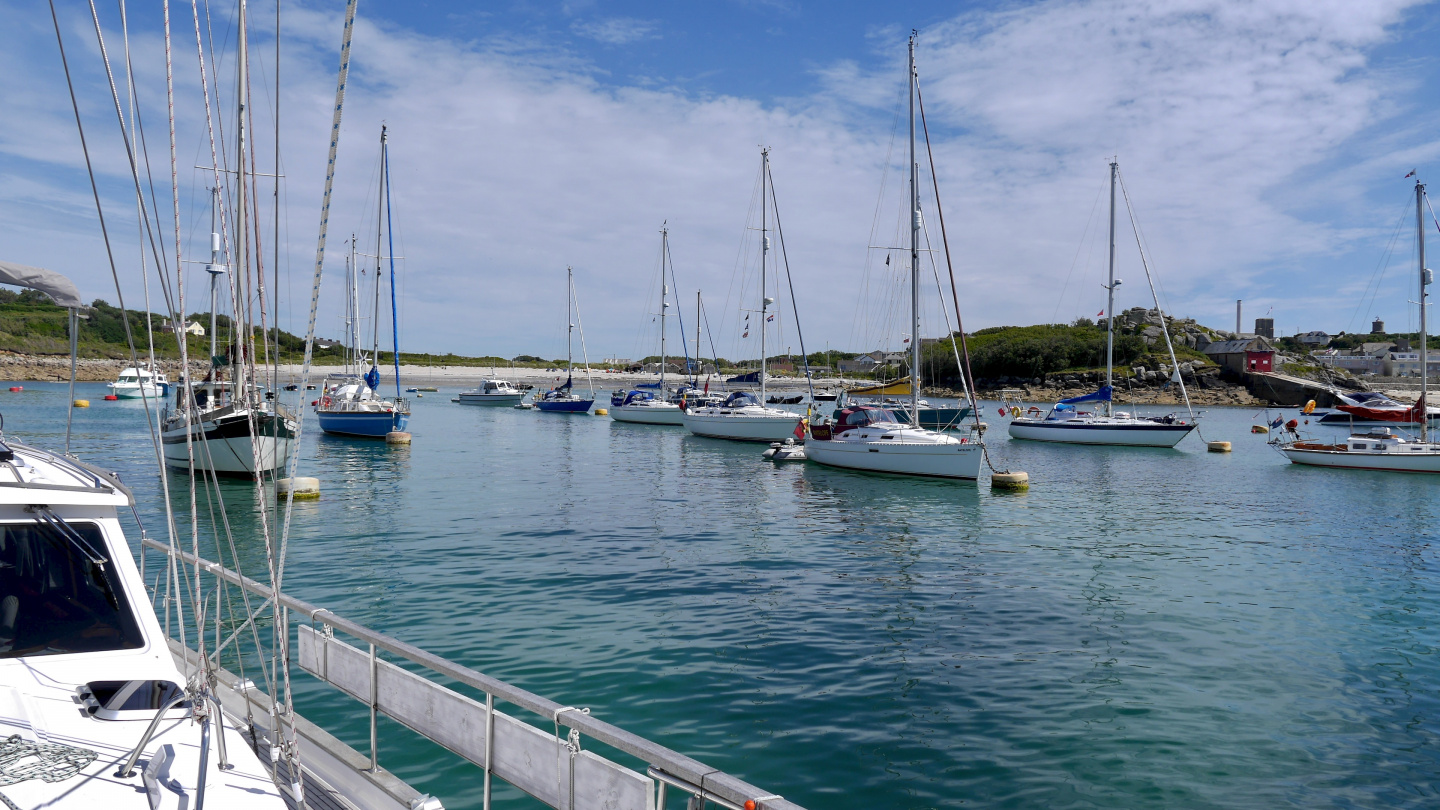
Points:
(218, 425)
(1381, 448)
(644, 406)
(1107, 426)
(872, 439)
(743, 416)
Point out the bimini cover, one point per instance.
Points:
(1103, 395)
(58, 287)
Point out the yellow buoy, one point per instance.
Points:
(1218, 447)
(601, 412)
(82, 403)
(397, 437)
(1010, 480)
(305, 489)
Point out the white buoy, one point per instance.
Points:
(1218, 447)
(1010, 480)
(305, 489)
(397, 437)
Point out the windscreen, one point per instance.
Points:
(54, 600)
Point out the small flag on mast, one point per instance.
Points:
(1410, 175)
(1100, 314)
(771, 318)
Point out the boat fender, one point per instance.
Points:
(1002, 410)
(1309, 407)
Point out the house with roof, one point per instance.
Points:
(1250, 354)
(1315, 338)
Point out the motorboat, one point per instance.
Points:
(864, 437)
(93, 708)
(1364, 408)
(212, 430)
(645, 408)
(138, 383)
(742, 417)
(492, 392)
(349, 406)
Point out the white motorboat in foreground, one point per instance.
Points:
(492, 392)
(137, 383)
(93, 709)
(1382, 449)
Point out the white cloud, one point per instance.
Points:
(511, 162)
(616, 30)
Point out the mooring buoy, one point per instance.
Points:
(1010, 480)
(305, 489)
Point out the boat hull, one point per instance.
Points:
(565, 406)
(1418, 462)
(370, 425)
(224, 446)
(1136, 434)
(648, 414)
(491, 399)
(158, 391)
(958, 461)
(742, 428)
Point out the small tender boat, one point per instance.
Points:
(492, 392)
(137, 383)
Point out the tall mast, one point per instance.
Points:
(379, 269)
(390, 249)
(240, 323)
(764, 251)
(1424, 332)
(215, 268)
(698, 362)
(569, 324)
(664, 290)
(1110, 291)
(914, 256)
(354, 304)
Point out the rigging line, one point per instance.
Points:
(1079, 247)
(861, 314)
(584, 353)
(1164, 328)
(679, 310)
(949, 265)
(790, 282)
(1377, 276)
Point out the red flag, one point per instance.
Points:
(1410, 175)
(1100, 314)
(800, 429)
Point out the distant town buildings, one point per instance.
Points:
(1315, 338)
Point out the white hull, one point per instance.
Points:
(137, 392)
(933, 460)
(467, 398)
(650, 414)
(1120, 432)
(726, 423)
(227, 448)
(1419, 460)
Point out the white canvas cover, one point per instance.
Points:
(58, 287)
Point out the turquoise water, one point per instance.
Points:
(1143, 628)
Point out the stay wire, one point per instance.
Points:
(790, 282)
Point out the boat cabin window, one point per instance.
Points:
(869, 416)
(54, 600)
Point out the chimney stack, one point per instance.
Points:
(1237, 316)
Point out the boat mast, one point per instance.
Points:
(390, 249)
(695, 378)
(914, 256)
(569, 325)
(764, 251)
(379, 228)
(1424, 332)
(215, 268)
(664, 247)
(353, 305)
(1110, 293)
(240, 331)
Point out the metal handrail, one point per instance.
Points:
(661, 759)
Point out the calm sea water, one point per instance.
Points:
(1143, 628)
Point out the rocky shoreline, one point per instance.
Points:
(52, 368)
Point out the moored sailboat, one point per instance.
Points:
(1380, 448)
(562, 398)
(872, 439)
(644, 406)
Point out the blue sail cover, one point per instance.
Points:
(651, 386)
(372, 378)
(1103, 395)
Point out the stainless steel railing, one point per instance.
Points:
(666, 766)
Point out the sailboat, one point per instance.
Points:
(562, 398)
(1064, 423)
(864, 437)
(1381, 448)
(743, 416)
(643, 405)
(350, 404)
(218, 425)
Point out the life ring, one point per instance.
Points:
(1015, 411)
(325, 402)
(1034, 411)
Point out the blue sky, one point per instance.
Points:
(1264, 146)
